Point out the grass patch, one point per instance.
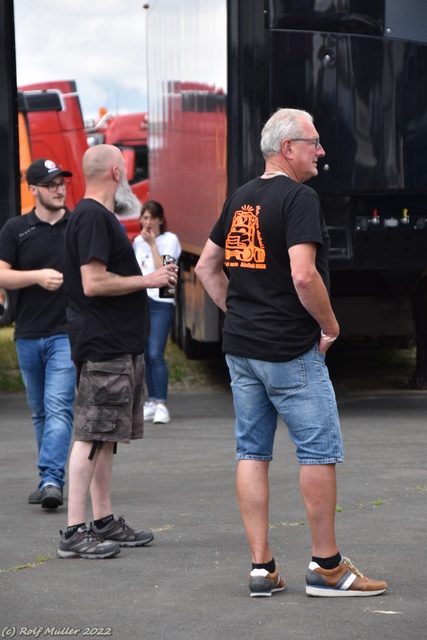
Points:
(10, 375)
(377, 503)
(187, 374)
(30, 565)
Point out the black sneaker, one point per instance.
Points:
(51, 497)
(35, 497)
(118, 531)
(85, 543)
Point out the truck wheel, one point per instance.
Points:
(176, 331)
(7, 307)
(182, 335)
(418, 382)
(191, 347)
(174, 328)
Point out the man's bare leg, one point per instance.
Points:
(100, 487)
(252, 488)
(80, 473)
(319, 491)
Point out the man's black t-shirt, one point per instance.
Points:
(260, 221)
(102, 327)
(27, 243)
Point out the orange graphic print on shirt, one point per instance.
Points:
(244, 246)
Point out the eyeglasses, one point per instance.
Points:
(54, 186)
(315, 140)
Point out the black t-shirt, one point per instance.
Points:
(260, 221)
(27, 244)
(102, 327)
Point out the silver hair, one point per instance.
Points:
(284, 123)
(125, 201)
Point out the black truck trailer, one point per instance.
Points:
(9, 156)
(216, 72)
(9, 146)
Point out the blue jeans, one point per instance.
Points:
(301, 392)
(156, 370)
(50, 381)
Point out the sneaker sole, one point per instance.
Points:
(133, 543)
(323, 592)
(264, 590)
(161, 421)
(69, 555)
(51, 503)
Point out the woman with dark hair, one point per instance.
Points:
(153, 243)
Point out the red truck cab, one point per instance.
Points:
(51, 126)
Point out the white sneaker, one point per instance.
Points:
(149, 410)
(162, 415)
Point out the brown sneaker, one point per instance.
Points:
(344, 580)
(263, 584)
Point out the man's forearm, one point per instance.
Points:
(110, 285)
(12, 279)
(315, 299)
(209, 270)
(97, 281)
(216, 288)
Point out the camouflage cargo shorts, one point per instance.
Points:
(110, 400)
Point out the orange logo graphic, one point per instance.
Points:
(244, 246)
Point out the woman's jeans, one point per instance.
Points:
(156, 370)
(50, 381)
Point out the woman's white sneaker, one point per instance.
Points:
(149, 410)
(161, 415)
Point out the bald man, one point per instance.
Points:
(108, 322)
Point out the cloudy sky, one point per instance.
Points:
(98, 43)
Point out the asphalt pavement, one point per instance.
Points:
(191, 582)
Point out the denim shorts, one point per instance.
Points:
(301, 392)
(110, 401)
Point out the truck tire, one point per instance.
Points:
(174, 332)
(7, 307)
(181, 335)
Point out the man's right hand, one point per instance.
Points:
(166, 276)
(50, 279)
(326, 341)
